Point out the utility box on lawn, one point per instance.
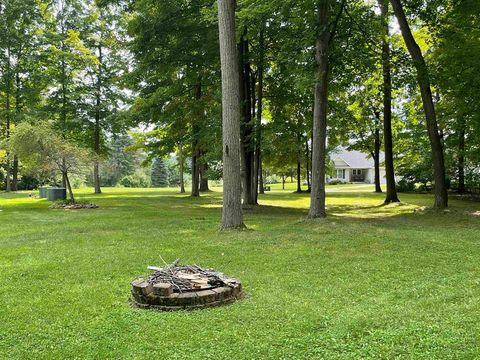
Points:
(56, 194)
(42, 192)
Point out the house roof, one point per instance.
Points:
(354, 158)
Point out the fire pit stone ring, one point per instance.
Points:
(185, 288)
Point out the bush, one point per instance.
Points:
(135, 181)
(28, 183)
(405, 185)
(337, 182)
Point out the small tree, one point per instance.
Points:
(159, 173)
(44, 151)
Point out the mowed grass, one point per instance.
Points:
(368, 282)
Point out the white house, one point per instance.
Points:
(355, 166)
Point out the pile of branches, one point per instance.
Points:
(73, 206)
(189, 277)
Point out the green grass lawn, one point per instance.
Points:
(370, 281)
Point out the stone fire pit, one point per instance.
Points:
(177, 287)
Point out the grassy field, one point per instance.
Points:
(369, 282)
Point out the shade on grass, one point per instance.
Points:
(368, 282)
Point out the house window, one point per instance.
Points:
(340, 173)
(357, 171)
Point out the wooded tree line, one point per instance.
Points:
(398, 76)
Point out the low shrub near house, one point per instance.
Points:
(337, 182)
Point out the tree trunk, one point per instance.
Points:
(15, 173)
(96, 170)
(441, 196)
(195, 173)
(258, 128)
(283, 182)
(18, 108)
(317, 198)
(461, 158)
(376, 159)
(262, 188)
(391, 195)
(247, 133)
(232, 216)
(69, 187)
(307, 166)
(299, 176)
(8, 187)
(196, 149)
(180, 162)
(203, 177)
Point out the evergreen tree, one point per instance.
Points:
(159, 173)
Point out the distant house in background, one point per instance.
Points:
(355, 166)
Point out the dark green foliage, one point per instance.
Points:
(137, 180)
(406, 185)
(159, 173)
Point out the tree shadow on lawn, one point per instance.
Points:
(360, 212)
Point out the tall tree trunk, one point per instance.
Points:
(299, 176)
(15, 173)
(96, 170)
(307, 166)
(317, 198)
(391, 195)
(195, 173)
(261, 190)
(376, 156)
(258, 127)
(283, 181)
(247, 133)
(232, 216)
(196, 148)
(18, 107)
(180, 162)
(63, 113)
(8, 187)
(441, 196)
(203, 177)
(461, 158)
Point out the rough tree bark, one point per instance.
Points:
(391, 195)
(232, 216)
(317, 198)
(441, 196)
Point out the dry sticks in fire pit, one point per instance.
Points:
(187, 278)
(184, 287)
